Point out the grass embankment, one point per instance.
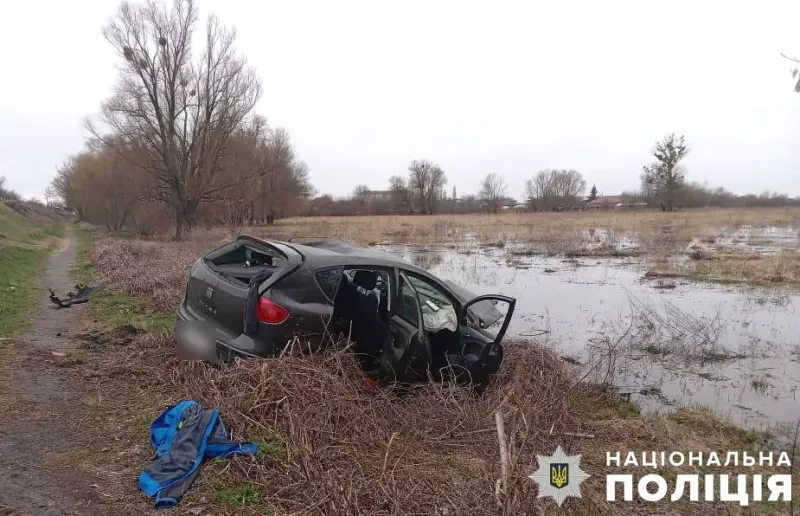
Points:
(333, 446)
(23, 247)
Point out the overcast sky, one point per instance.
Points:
(364, 87)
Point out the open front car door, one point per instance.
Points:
(483, 324)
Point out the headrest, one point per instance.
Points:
(365, 279)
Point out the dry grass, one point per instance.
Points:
(333, 446)
(561, 231)
(156, 270)
(766, 270)
(337, 447)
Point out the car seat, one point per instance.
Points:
(344, 304)
(369, 330)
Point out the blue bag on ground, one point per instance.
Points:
(183, 435)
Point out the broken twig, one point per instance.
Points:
(582, 436)
(505, 467)
(386, 456)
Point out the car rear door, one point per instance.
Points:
(218, 291)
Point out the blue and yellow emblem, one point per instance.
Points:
(559, 474)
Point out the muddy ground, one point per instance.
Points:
(38, 427)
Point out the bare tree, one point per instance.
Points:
(567, 186)
(181, 111)
(6, 194)
(540, 190)
(795, 71)
(665, 176)
(234, 216)
(646, 186)
(398, 187)
(360, 194)
(278, 174)
(425, 180)
(493, 190)
(553, 188)
(101, 186)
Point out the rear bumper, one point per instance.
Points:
(229, 346)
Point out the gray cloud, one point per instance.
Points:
(510, 87)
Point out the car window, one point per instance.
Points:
(381, 289)
(328, 280)
(409, 308)
(430, 294)
(242, 253)
(438, 312)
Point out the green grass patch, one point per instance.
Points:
(14, 227)
(114, 310)
(54, 231)
(82, 269)
(270, 448)
(237, 496)
(23, 248)
(19, 287)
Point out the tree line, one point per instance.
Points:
(179, 139)
(662, 185)
(179, 144)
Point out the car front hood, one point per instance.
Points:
(482, 310)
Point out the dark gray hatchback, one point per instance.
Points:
(406, 324)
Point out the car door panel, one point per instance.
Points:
(482, 351)
(228, 301)
(406, 355)
(403, 337)
(202, 282)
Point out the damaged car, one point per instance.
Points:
(405, 324)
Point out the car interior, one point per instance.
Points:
(439, 319)
(243, 262)
(361, 309)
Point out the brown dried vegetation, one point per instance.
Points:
(334, 446)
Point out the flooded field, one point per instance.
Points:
(663, 342)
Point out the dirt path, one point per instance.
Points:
(36, 428)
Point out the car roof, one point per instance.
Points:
(330, 253)
(325, 253)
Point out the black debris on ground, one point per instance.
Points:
(79, 295)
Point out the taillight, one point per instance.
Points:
(270, 312)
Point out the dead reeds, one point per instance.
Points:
(353, 449)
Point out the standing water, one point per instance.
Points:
(732, 349)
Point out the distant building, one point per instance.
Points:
(515, 207)
(605, 202)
